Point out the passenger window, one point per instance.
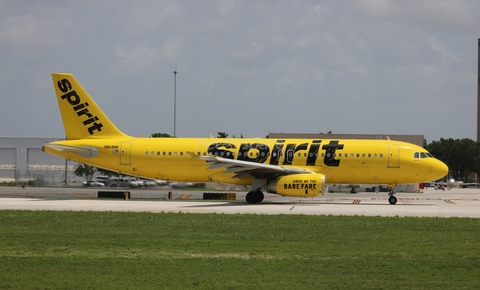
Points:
(358, 155)
(381, 155)
(369, 155)
(375, 155)
(152, 153)
(146, 153)
(158, 152)
(351, 155)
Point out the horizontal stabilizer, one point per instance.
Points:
(86, 151)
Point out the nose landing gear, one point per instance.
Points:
(391, 198)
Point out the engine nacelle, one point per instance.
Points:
(301, 185)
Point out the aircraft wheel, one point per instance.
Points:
(251, 197)
(392, 200)
(259, 196)
(353, 190)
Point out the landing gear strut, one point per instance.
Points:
(391, 199)
(254, 196)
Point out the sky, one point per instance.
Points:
(245, 67)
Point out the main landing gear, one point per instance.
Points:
(254, 196)
(391, 198)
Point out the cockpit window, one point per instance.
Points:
(422, 155)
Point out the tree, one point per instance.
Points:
(462, 156)
(87, 171)
(161, 135)
(222, 135)
(107, 172)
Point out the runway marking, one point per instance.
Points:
(357, 201)
(84, 195)
(292, 207)
(184, 196)
(449, 201)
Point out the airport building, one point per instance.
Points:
(22, 160)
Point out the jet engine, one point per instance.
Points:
(301, 185)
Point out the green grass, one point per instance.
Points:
(121, 250)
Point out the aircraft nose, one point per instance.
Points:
(439, 169)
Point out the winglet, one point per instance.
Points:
(81, 116)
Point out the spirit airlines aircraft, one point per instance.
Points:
(290, 167)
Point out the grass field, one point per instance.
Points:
(113, 250)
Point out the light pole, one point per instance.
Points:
(175, 103)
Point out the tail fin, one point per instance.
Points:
(81, 116)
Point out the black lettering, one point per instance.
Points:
(74, 101)
(261, 157)
(289, 150)
(276, 152)
(64, 85)
(81, 109)
(313, 152)
(81, 106)
(91, 120)
(215, 149)
(84, 112)
(95, 126)
(330, 150)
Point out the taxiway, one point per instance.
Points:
(430, 203)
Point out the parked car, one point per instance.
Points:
(93, 183)
(161, 182)
(102, 179)
(123, 182)
(148, 182)
(181, 184)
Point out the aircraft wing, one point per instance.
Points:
(86, 151)
(246, 168)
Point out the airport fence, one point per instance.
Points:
(39, 178)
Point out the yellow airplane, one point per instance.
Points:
(289, 167)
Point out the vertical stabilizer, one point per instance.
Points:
(81, 116)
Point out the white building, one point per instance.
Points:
(22, 160)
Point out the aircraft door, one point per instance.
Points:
(126, 153)
(289, 156)
(393, 156)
